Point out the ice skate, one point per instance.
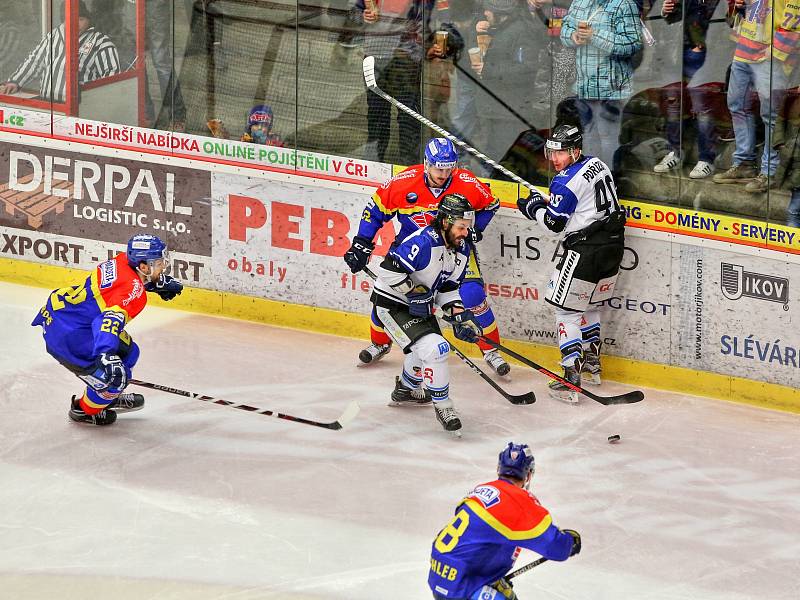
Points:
(127, 403)
(497, 363)
(104, 417)
(590, 370)
(446, 415)
(402, 395)
(559, 391)
(590, 373)
(373, 353)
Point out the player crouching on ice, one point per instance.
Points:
(428, 268)
(83, 326)
(583, 205)
(477, 548)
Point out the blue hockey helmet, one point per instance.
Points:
(261, 114)
(516, 461)
(441, 153)
(144, 248)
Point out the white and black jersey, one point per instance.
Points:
(581, 194)
(423, 258)
(97, 57)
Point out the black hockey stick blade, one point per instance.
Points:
(526, 568)
(528, 398)
(347, 416)
(628, 398)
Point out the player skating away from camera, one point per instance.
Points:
(478, 547)
(427, 268)
(412, 197)
(583, 206)
(84, 326)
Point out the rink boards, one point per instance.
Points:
(695, 309)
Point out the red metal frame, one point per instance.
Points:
(71, 104)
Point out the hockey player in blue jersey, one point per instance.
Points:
(583, 206)
(427, 269)
(480, 544)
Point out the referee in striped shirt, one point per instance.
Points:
(97, 57)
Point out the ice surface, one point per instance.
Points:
(184, 499)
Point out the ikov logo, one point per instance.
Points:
(736, 282)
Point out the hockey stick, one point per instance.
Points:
(372, 85)
(528, 398)
(347, 416)
(628, 398)
(526, 568)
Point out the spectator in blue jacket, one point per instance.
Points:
(606, 35)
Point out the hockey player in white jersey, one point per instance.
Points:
(427, 269)
(583, 207)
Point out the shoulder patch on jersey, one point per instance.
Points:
(488, 495)
(108, 274)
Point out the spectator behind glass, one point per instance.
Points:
(97, 58)
(393, 33)
(510, 67)
(118, 19)
(464, 15)
(606, 35)
(696, 21)
(757, 66)
(551, 13)
(259, 127)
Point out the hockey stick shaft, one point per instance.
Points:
(526, 568)
(372, 85)
(629, 398)
(349, 414)
(528, 398)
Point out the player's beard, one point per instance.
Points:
(450, 240)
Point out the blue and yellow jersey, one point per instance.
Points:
(482, 541)
(392, 200)
(83, 321)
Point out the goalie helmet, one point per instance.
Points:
(516, 461)
(441, 153)
(563, 137)
(145, 248)
(453, 207)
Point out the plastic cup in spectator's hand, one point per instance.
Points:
(475, 58)
(484, 40)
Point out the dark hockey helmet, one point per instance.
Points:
(516, 461)
(453, 207)
(563, 137)
(145, 248)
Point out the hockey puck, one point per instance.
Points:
(613, 438)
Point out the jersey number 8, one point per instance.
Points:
(449, 536)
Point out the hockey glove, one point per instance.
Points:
(465, 327)
(167, 287)
(110, 369)
(576, 541)
(475, 235)
(420, 302)
(357, 256)
(528, 206)
(505, 587)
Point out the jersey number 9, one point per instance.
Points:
(449, 536)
